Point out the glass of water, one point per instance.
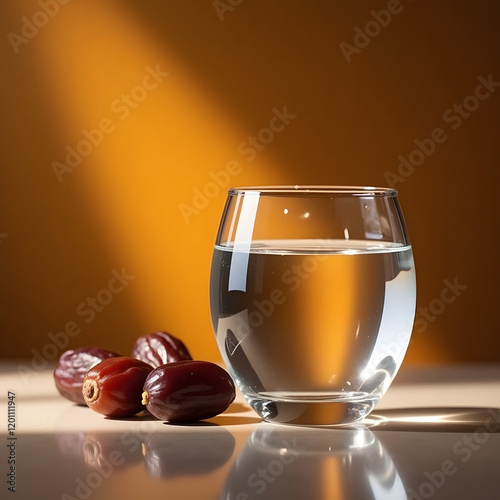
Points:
(312, 297)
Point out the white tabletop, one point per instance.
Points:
(435, 434)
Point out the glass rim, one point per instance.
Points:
(315, 189)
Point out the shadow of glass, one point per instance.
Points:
(449, 419)
(227, 420)
(237, 408)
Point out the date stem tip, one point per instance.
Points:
(145, 398)
(90, 390)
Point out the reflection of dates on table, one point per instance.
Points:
(102, 448)
(70, 444)
(187, 453)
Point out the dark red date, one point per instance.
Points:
(114, 386)
(188, 391)
(160, 348)
(72, 368)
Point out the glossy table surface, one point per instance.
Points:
(435, 434)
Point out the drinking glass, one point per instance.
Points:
(312, 297)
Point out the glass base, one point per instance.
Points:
(313, 409)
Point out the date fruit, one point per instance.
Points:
(72, 368)
(188, 391)
(160, 348)
(114, 386)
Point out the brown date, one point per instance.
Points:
(114, 386)
(160, 348)
(72, 368)
(188, 391)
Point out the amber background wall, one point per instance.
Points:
(130, 204)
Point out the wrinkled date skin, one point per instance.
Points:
(188, 391)
(72, 368)
(160, 348)
(114, 386)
